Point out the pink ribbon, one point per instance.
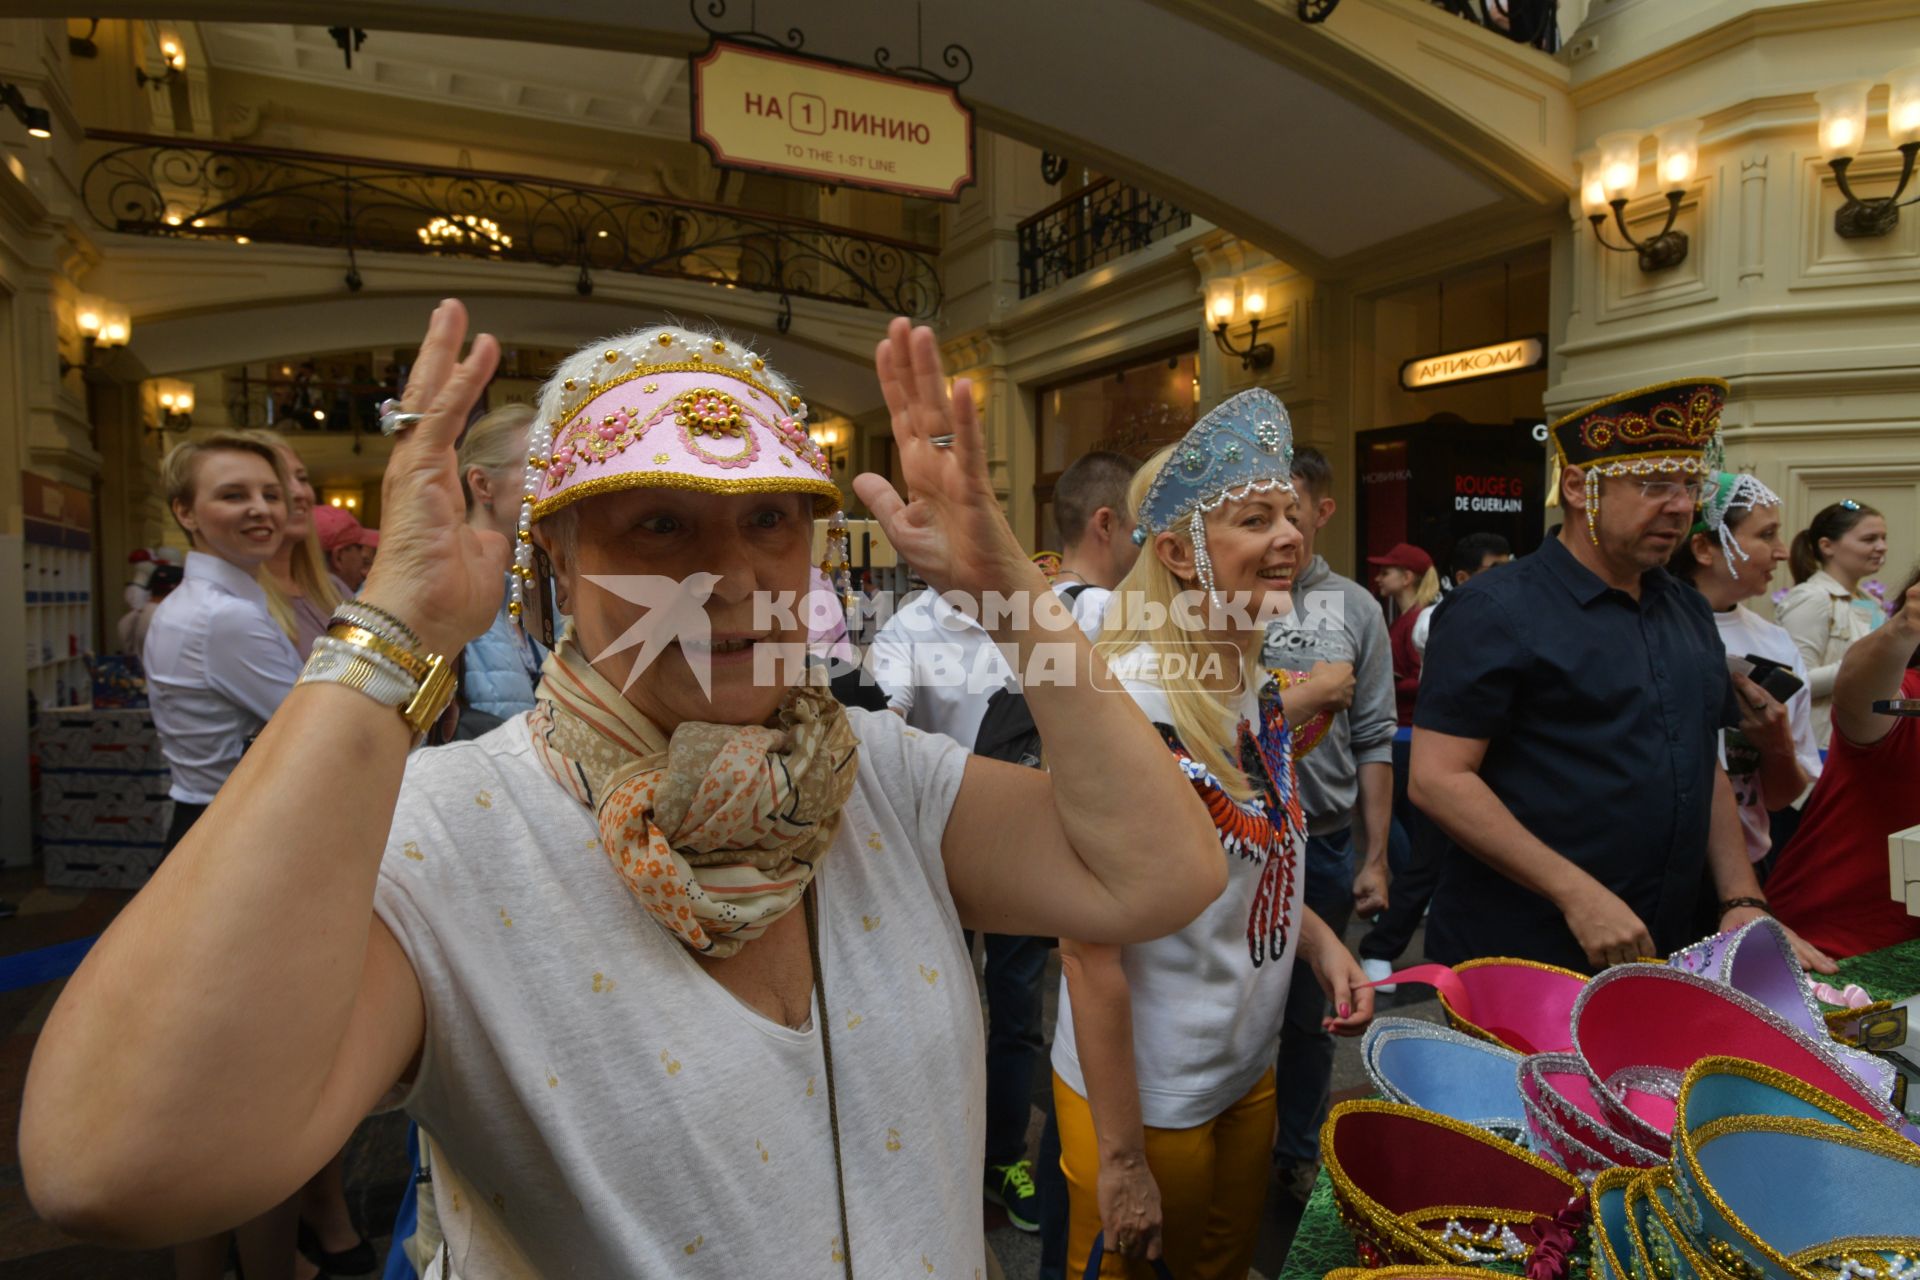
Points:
(1441, 979)
(1850, 997)
(1454, 992)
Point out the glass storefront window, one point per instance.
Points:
(1132, 408)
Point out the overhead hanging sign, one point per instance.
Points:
(777, 113)
(1516, 355)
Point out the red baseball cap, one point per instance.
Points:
(338, 528)
(1404, 555)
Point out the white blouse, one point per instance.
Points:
(217, 666)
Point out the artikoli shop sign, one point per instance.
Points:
(775, 112)
(1516, 355)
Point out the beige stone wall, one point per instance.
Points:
(1816, 333)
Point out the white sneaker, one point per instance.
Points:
(1378, 969)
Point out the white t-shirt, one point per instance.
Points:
(1745, 632)
(938, 667)
(1205, 1019)
(603, 1108)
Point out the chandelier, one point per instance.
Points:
(465, 231)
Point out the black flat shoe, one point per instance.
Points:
(358, 1261)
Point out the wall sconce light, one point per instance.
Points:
(1610, 174)
(1843, 134)
(174, 59)
(345, 500)
(176, 404)
(37, 121)
(103, 325)
(829, 438)
(1222, 311)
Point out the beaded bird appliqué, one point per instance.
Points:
(1250, 831)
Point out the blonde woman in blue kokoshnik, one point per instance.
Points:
(670, 971)
(1163, 1055)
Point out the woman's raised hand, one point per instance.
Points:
(950, 528)
(437, 573)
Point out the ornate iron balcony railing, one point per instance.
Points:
(1528, 22)
(1096, 224)
(192, 190)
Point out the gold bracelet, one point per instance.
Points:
(430, 701)
(414, 664)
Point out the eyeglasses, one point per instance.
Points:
(1668, 490)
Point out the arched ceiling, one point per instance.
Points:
(1297, 137)
(198, 307)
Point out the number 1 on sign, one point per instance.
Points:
(807, 113)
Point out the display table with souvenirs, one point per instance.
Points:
(1719, 1115)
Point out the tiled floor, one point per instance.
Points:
(30, 1249)
(377, 1169)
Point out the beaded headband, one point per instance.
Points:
(1567, 1122)
(1771, 1179)
(1675, 419)
(1729, 491)
(1240, 447)
(1666, 429)
(1638, 1028)
(1416, 1187)
(1758, 959)
(1612, 1251)
(1848, 1208)
(665, 407)
(1448, 1072)
(1523, 1004)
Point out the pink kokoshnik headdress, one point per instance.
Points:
(665, 408)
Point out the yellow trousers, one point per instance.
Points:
(1212, 1179)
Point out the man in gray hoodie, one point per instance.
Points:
(1346, 789)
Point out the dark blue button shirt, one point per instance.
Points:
(1600, 715)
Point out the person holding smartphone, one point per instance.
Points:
(1770, 757)
(1831, 882)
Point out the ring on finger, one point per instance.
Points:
(394, 419)
(941, 441)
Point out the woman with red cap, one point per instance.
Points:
(1407, 582)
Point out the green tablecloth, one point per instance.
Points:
(1323, 1244)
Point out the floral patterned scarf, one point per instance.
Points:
(717, 829)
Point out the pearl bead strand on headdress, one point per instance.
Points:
(539, 451)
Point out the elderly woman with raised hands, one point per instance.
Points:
(670, 969)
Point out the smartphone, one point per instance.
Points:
(1775, 677)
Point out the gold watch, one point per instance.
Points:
(429, 701)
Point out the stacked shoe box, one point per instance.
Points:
(1903, 860)
(104, 809)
